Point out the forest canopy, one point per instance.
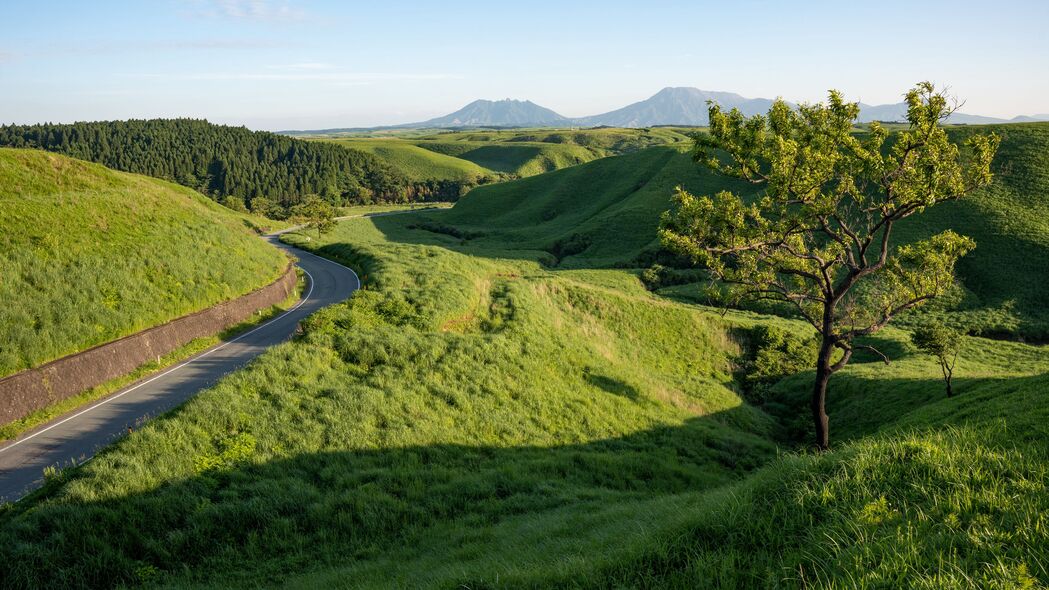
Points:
(231, 164)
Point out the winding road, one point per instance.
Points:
(77, 436)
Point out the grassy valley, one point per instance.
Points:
(484, 156)
(167, 251)
(502, 406)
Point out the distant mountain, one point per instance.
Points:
(688, 106)
(498, 113)
(670, 106)
(1030, 118)
(898, 112)
(675, 106)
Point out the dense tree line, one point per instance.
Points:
(234, 165)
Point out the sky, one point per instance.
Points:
(282, 64)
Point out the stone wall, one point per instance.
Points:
(37, 388)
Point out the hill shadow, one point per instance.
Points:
(260, 522)
(269, 519)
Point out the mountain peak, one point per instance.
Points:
(507, 112)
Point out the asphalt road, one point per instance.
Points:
(77, 436)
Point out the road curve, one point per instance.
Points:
(77, 436)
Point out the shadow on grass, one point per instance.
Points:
(262, 522)
(291, 514)
(862, 404)
(612, 385)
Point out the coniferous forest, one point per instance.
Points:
(241, 168)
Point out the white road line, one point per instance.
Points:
(173, 369)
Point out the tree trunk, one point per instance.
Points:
(819, 396)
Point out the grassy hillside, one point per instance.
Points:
(1003, 280)
(481, 421)
(454, 394)
(601, 214)
(415, 162)
(518, 159)
(605, 213)
(530, 152)
(473, 155)
(494, 410)
(90, 255)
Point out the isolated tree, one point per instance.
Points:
(265, 207)
(819, 236)
(314, 213)
(943, 343)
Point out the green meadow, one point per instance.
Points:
(497, 154)
(91, 255)
(505, 404)
(414, 162)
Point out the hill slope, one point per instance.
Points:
(1001, 281)
(453, 394)
(90, 255)
(414, 162)
(482, 156)
(473, 420)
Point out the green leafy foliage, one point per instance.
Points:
(774, 353)
(941, 342)
(314, 213)
(819, 236)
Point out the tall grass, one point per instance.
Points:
(90, 255)
(483, 416)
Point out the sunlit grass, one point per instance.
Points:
(90, 255)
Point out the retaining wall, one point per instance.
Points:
(37, 388)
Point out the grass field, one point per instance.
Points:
(362, 210)
(495, 154)
(165, 251)
(417, 163)
(606, 212)
(499, 408)
(481, 421)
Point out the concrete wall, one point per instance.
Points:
(37, 388)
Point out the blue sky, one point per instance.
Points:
(279, 64)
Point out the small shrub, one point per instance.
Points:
(773, 353)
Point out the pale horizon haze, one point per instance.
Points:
(278, 65)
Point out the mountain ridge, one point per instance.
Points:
(672, 105)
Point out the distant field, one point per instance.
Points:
(357, 210)
(415, 162)
(90, 255)
(492, 155)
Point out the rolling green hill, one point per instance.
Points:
(90, 254)
(605, 213)
(499, 407)
(476, 420)
(415, 162)
(484, 156)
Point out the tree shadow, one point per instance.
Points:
(612, 385)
